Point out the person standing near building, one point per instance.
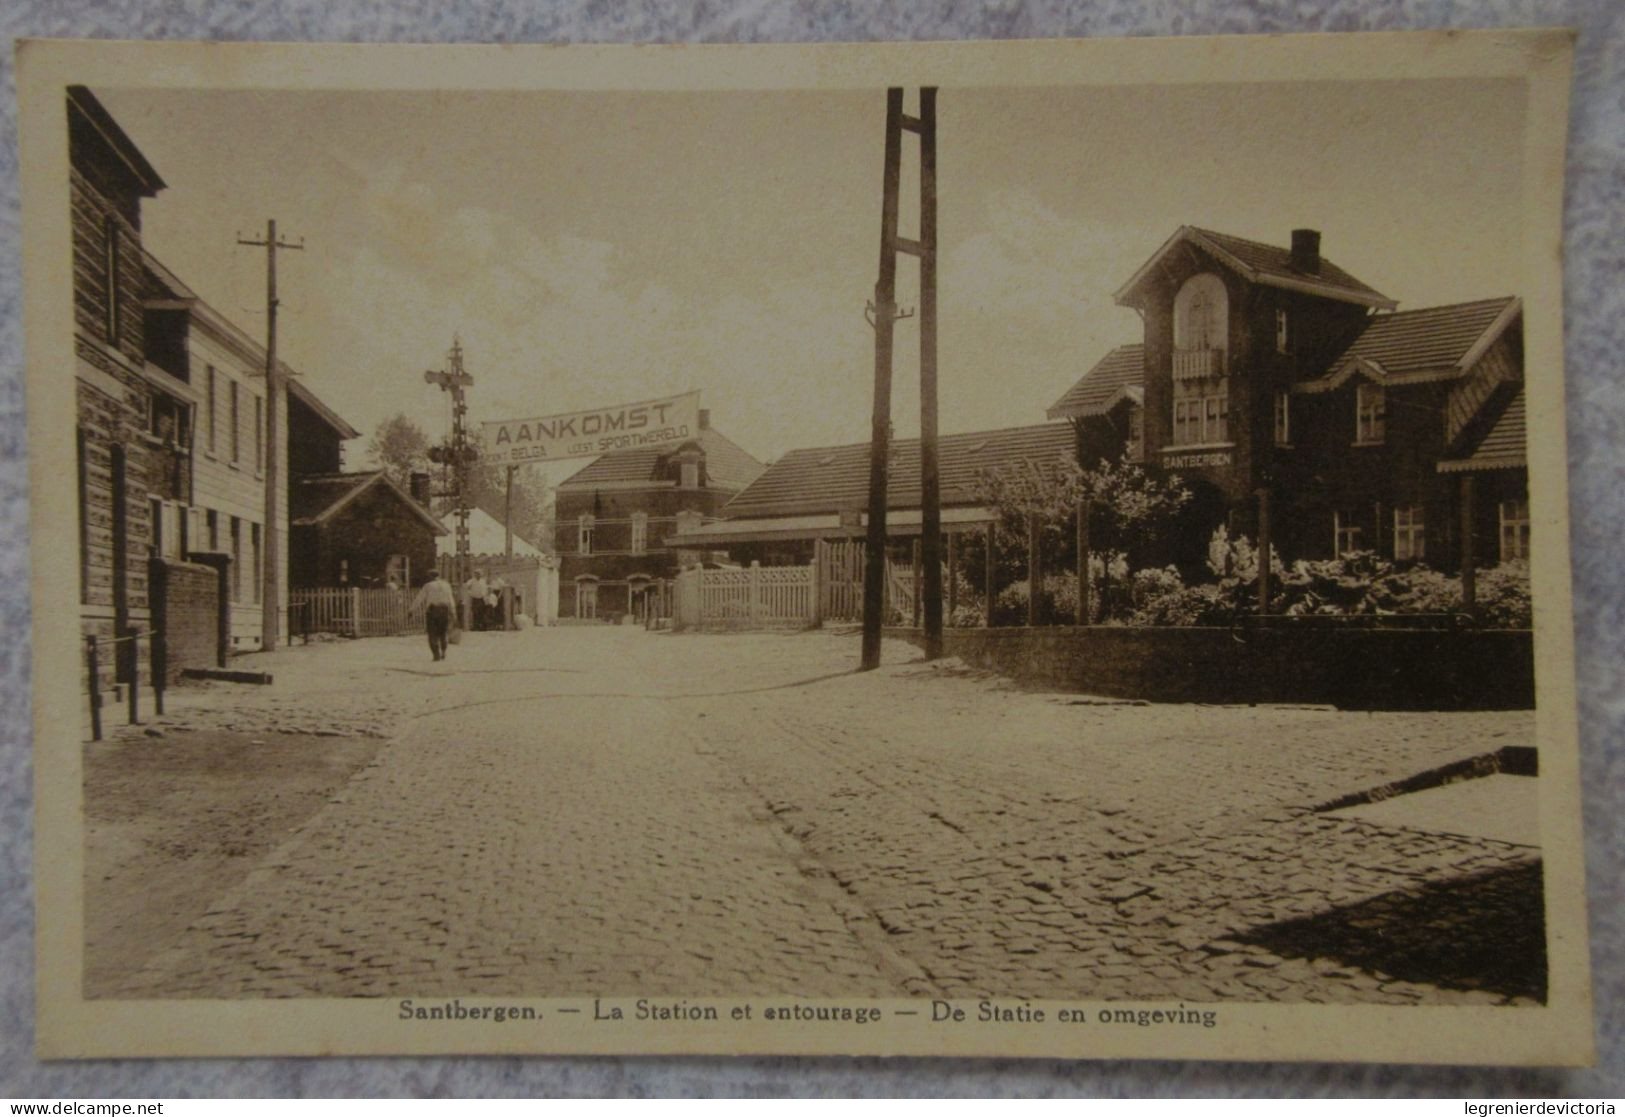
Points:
(437, 601)
(474, 591)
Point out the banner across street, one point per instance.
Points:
(586, 434)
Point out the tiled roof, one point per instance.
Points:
(1097, 390)
(725, 464)
(316, 496)
(1263, 263)
(1276, 262)
(835, 478)
(1504, 447)
(1436, 337)
(313, 495)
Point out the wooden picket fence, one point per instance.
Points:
(352, 611)
(830, 588)
(748, 597)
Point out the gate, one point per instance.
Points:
(751, 597)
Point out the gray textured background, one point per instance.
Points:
(1596, 415)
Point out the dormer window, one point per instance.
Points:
(1370, 413)
(689, 474)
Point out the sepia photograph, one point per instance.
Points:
(957, 548)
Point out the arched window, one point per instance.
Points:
(1201, 390)
(1201, 313)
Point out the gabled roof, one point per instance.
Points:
(836, 478)
(1504, 446)
(169, 287)
(727, 466)
(319, 497)
(1262, 263)
(1412, 346)
(486, 536)
(1117, 376)
(304, 395)
(91, 111)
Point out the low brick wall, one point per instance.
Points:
(1373, 669)
(187, 600)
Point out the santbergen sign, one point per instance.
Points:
(586, 434)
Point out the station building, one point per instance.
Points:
(1269, 373)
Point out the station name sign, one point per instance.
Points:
(1208, 460)
(586, 434)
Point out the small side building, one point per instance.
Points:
(358, 529)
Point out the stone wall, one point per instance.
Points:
(1352, 668)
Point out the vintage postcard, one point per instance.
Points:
(1051, 548)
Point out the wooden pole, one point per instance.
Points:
(874, 582)
(915, 563)
(1083, 562)
(1263, 552)
(1034, 570)
(987, 574)
(930, 495)
(1469, 571)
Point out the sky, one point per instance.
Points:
(597, 248)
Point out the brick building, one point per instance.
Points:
(358, 529)
(1269, 369)
(612, 517)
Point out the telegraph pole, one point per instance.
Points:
(270, 587)
(883, 314)
(930, 494)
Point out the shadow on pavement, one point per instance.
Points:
(1485, 932)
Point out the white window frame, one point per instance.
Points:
(1370, 414)
(1283, 418)
(640, 533)
(1282, 334)
(584, 526)
(1410, 533)
(1345, 534)
(214, 410)
(1514, 527)
(1201, 411)
(236, 423)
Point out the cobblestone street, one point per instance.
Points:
(597, 810)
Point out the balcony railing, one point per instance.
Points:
(1198, 364)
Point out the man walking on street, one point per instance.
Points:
(437, 601)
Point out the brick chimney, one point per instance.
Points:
(705, 419)
(1306, 251)
(418, 486)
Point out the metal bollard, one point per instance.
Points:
(95, 689)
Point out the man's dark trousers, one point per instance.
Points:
(437, 619)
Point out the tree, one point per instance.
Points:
(400, 448)
(1130, 511)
